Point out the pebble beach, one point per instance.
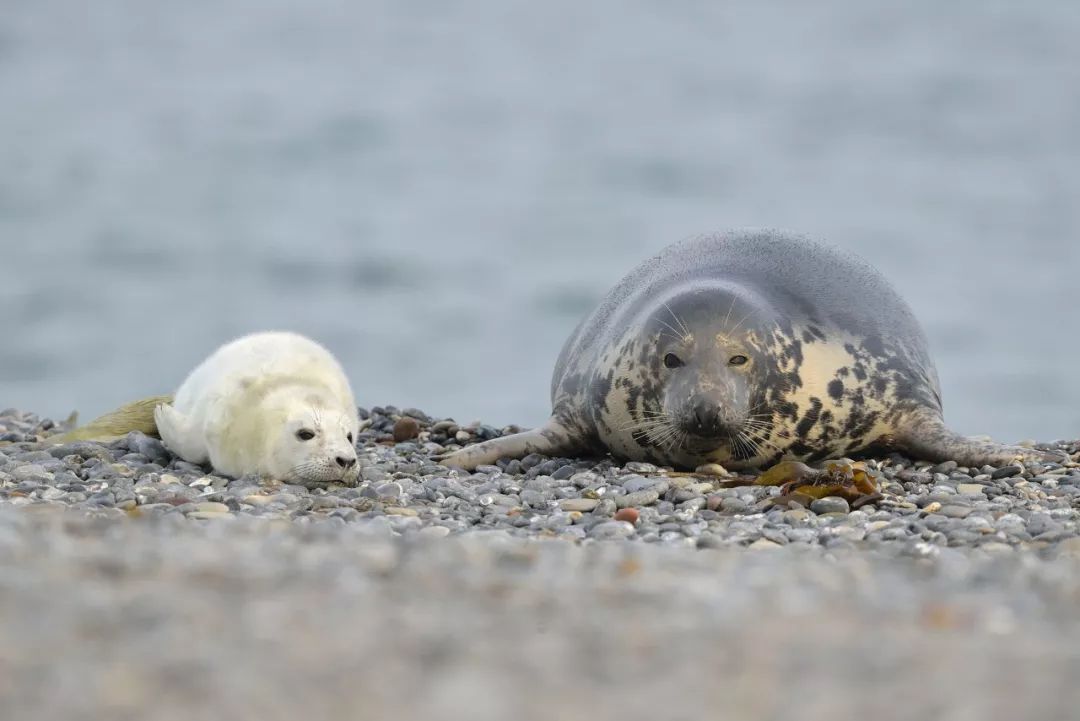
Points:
(135, 585)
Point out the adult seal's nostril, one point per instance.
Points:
(346, 462)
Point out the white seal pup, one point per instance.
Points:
(274, 404)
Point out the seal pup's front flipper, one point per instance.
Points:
(114, 425)
(551, 439)
(927, 437)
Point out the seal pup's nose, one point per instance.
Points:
(345, 462)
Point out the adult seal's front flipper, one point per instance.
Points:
(114, 425)
(927, 437)
(551, 439)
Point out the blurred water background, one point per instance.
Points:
(439, 191)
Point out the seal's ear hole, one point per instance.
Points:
(673, 361)
(305, 434)
(738, 360)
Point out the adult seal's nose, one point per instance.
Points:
(704, 415)
(346, 462)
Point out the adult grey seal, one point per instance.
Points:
(746, 348)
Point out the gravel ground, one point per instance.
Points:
(134, 585)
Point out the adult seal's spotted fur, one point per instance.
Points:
(745, 349)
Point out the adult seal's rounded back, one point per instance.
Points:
(745, 349)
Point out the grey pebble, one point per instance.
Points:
(829, 504)
(638, 498)
(608, 530)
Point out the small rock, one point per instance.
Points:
(830, 504)
(611, 530)
(406, 428)
(639, 498)
(389, 490)
(209, 507)
(578, 504)
(630, 515)
(209, 515)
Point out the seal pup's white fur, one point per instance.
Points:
(275, 404)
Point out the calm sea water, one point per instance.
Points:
(438, 191)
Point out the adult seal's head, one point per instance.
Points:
(745, 349)
(277, 405)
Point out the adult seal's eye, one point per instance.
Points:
(673, 361)
(737, 360)
(305, 435)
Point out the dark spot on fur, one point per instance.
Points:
(809, 419)
(836, 389)
(875, 346)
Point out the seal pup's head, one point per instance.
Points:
(306, 436)
(708, 368)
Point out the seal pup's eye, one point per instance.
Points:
(348, 437)
(672, 361)
(305, 435)
(737, 360)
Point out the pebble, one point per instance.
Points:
(829, 504)
(638, 498)
(578, 504)
(608, 530)
(406, 428)
(971, 489)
